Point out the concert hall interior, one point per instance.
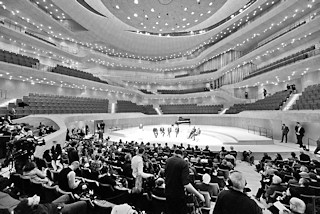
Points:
(204, 73)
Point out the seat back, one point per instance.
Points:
(158, 204)
(105, 191)
(36, 188)
(207, 198)
(26, 185)
(50, 193)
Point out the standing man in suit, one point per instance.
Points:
(299, 133)
(285, 131)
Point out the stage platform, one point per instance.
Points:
(213, 136)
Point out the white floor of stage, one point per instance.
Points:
(213, 136)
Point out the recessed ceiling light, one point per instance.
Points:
(152, 10)
(201, 14)
(153, 27)
(146, 16)
(196, 20)
(157, 23)
(128, 17)
(192, 13)
(135, 15)
(185, 9)
(209, 11)
(136, 1)
(188, 23)
(166, 24)
(210, 3)
(117, 6)
(141, 23)
(184, 19)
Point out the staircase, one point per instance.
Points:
(223, 111)
(292, 99)
(158, 110)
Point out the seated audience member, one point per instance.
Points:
(248, 157)
(304, 157)
(314, 180)
(303, 189)
(60, 205)
(30, 170)
(67, 178)
(47, 156)
(295, 178)
(235, 200)
(265, 158)
(278, 158)
(297, 206)
(293, 157)
(223, 152)
(225, 165)
(159, 189)
(230, 158)
(106, 177)
(275, 186)
(205, 185)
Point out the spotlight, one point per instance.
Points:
(136, 1)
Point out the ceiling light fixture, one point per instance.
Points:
(136, 1)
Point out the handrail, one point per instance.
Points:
(312, 140)
(261, 131)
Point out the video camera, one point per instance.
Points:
(23, 147)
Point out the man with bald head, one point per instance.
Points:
(235, 200)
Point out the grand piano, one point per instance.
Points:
(182, 120)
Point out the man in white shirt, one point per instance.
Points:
(137, 170)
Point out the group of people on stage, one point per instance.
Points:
(163, 131)
(194, 132)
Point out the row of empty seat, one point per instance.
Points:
(208, 71)
(55, 104)
(76, 73)
(272, 102)
(309, 99)
(124, 106)
(190, 109)
(184, 91)
(145, 91)
(17, 59)
(282, 62)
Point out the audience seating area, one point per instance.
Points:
(208, 71)
(76, 73)
(124, 106)
(310, 98)
(190, 109)
(282, 62)
(185, 91)
(145, 91)
(55, 104)
(272, 102)
(17, 59)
